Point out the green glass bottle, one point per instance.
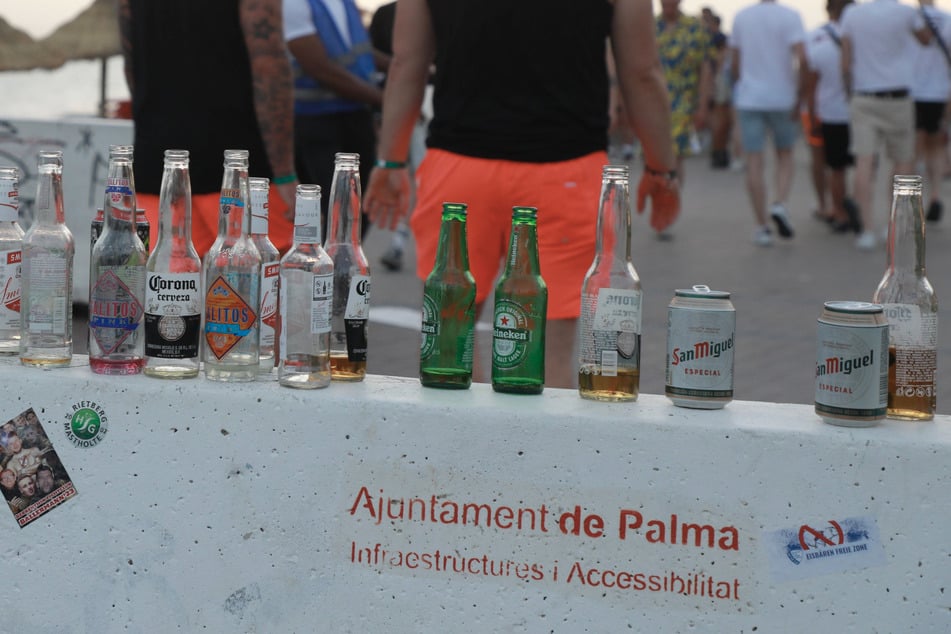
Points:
(445, 353)
(521, 303)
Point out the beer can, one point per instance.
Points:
(701, 331)
(141, 227)
(852, 364)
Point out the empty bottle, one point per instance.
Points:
(270, 275)
(521, 304)
(173, 280)
(307, 278)
(351, 306)
(46, 292)
(448, 327)
(117, 277)
(11, 256)
(231, 281)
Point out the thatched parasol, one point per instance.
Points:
(19, 51)
(93, 34)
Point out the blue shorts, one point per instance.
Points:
(754, 123)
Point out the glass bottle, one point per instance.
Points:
(609, 362)
(46, 309)
(351, 306)
(307, 278)
(231, 282)
(11, 255)
(445, 353)
(521, 304)
(911, 308)
(117, 276)
(173, 280)
(270, 275)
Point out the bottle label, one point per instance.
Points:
(610, 329)
(851, 370)
(9, 201)
(511, 335)
(430, 328)
(270, 298)
(358, 301)
(700, 345)
(10, 271)
(230, 198)
(321, 304)
(228, 317)
(49, 282)
(115, 311)
(259, 210)
(914, 336)
(172, 315)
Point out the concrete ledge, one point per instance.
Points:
(248, 508)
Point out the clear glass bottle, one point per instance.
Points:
(351, 307)
(11, 255)
(173, 280)
(521, 305)
(46, 309)
(307, 278)
(270, 275)
(448, 327)
(117, 277)
(911, 308)
(231, 282)
(609, 361)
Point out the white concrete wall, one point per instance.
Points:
(85, 144)
(238, 508)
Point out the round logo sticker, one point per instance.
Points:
(85, 424)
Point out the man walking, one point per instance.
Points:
(877, 67)
(767, 38)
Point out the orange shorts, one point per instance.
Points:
(566, 194)
(811, 129)
(205, 220)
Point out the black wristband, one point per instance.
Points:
(671, 175)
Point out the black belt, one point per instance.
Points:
(887, 94)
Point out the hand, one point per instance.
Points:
(665, 199)
(387, 197)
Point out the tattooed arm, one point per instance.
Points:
(125, 39)
(262, 21)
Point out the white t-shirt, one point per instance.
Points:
(299, 20)
(883, 44)
(824, 56)
(764, 34)
(932, 81)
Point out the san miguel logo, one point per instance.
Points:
(844, 365)
(701, 350)
(228, 318)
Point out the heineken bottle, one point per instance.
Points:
(445, 353)
(521, 302)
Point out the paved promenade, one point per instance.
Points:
(778, 291)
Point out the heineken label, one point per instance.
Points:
(430, 327)
(511, 334)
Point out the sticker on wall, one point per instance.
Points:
(33, 479)
(824, 547)
(85, 424)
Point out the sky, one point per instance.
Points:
(39, 20)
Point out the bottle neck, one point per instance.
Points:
(523, 250)
(345, 206)
(906, 232)
(453, 251)
(119, 205)
(614, 219)
(175, 205)
(49, 196)
(234, 216)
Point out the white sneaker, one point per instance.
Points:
(762, 236)
(777, 211)
(867, 241)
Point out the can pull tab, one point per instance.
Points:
(701, 288)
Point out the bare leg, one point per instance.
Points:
(818, 169)
(755, 185)
(864, 166)
(784, 175)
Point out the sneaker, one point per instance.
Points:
(852, 210)
(392, 259)
(867, 241)
(664, 236)
(777, 212)
(935, 209)
(762, 236)
(737, 165)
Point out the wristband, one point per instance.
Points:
(671, 175)
(390, 165)
(284, 180)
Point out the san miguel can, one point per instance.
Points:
(141, 227)
(852, 364)
(701, 331)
